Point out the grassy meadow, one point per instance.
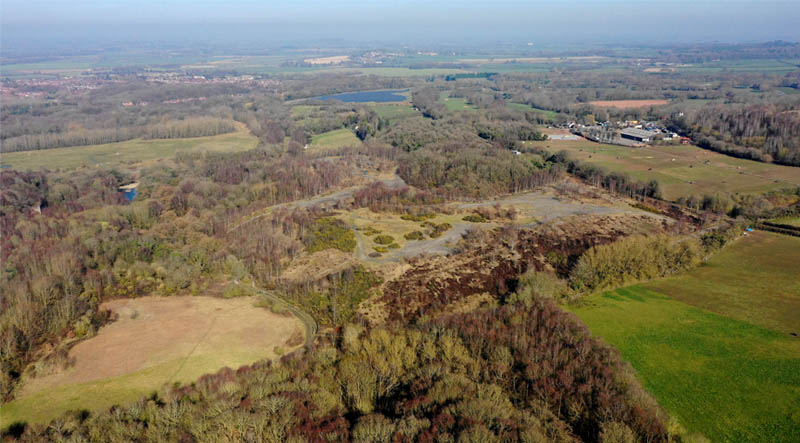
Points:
(720, 377)
(755, 279)
(334, 139)
(395, 111)
(682, 170)
(791, 221)
(132, 151)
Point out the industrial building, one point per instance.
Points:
(639, 135)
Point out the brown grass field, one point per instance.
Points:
(624, 104)
(682, 170)
(154, 342)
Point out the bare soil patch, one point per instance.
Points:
(627, 103)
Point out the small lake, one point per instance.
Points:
(368, 96)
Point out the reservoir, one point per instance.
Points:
(368, 96)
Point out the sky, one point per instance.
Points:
(447, 21)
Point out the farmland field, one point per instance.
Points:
(755, 279)
(681, 170)
(622, 104)
(720, 377)
(335, 139)
(155, 341)
(131, 151)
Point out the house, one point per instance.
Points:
(639, 135)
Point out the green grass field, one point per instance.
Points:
(682, 170)
(456, 103)
(131, 151)
(524, 107)
(720, 377)
(756, 279)
(792, 221)
(395, 111)
(335, 139)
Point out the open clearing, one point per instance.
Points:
(791, 221)
(682, 170)
(131, 151)
(720, 377)
(335, 139)
(755, 279)
(624, 104)
(156, 341)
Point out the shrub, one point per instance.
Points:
(394, 246)
(474, 218)
(414, 235)
(381, 249)
(418, 218)
(633, 259)
(329, 233)
(439, 229)
(384, 239)
(369, 231)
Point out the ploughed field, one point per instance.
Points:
(681, 170)
(715, 345)
(155, 341)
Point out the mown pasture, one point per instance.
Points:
(112, 155)
(681, 170)
(334, 139)
(724, 378)
(756, 279)
(156, 341)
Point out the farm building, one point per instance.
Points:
(639, 135)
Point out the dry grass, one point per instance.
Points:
(155, 341)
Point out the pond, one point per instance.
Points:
(129, 191)
(368, 96)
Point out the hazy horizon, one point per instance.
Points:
(51, 25)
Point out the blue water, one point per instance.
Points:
(130, 194)
(368, 96)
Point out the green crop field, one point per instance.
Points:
(720, 377)
(132, 151)
(335, 139)
(755, 279)
(681, 170)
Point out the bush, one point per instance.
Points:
(414, 235)
(418, 218)
(330, 233)
(369, 231)
(394, 246)
(381, 249)
(474, 218)
(384, 239)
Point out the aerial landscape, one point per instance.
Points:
(399, 222)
